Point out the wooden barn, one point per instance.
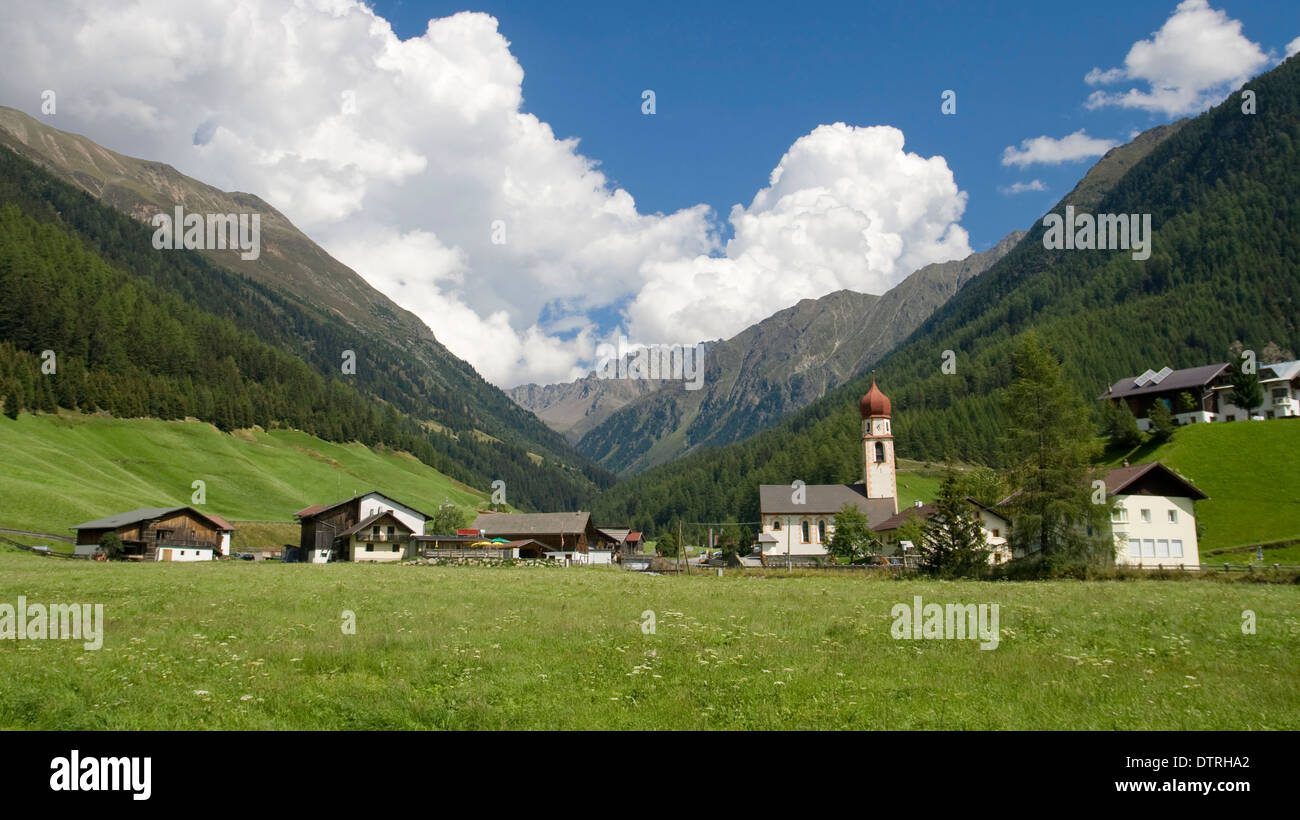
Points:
(368, 527)
(160, 534)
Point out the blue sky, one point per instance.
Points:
(489, 168)
(737, 83)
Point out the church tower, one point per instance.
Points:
(877, 446)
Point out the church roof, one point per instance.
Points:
(823, 499)
(874, 404)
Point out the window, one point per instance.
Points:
(369, 547)
(1148, 548)
(392, 532)
(1162, 548)
(997, 533)
(1176, 548)
(374, 531)
(1134, 548)
(1279, 395)
(821, 531)
(776, 525)
(1173, 516)
(880, 452)
(1119, 515)
(805, 529)
(1146, 516)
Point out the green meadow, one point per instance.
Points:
(242, 645)
(1248, 469)
(60, 470)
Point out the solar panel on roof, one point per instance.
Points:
(1141, 381)
(1161, 376)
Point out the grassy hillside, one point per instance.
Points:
(1247, 469)
(65, 469)
(482, 648)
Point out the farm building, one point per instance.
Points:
(368, 527)
(570, 536)
(160, 534)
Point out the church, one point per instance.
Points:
(800, 519)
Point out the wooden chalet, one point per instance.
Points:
(159, 534)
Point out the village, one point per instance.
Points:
(1153, 516)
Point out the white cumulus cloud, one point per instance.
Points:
(406, 159)
(1047, 150)
(1023, 187)
(1197, 55)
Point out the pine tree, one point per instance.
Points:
(1162, 421)
(1121, 425)
(953, 545)
(1050, 445)
(1246, 392)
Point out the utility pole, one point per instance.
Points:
(680, 546)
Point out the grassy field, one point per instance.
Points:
(1249, 472)
(240, 645)
(65, 469)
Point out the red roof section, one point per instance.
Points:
(874, 404)
(222, 524)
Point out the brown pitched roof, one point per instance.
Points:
(1177, 380)
(925, 511)
(222, 524)
(113, 522)
(1152, 474)
(532, 523)
(899, 518)
(361, 525)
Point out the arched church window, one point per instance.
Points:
(776, 524)
(880, 451)
(821, 531)
(806, 533)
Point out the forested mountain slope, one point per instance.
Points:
(143, 332)
(1225, 266)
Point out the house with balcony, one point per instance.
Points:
(1280, 385)
(367, 527)
(1199, 395)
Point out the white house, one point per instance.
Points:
(799, 519)
(334, 532)
(1153, 520)
(1280, 385)
(994, 526)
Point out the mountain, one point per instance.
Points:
(573, 408)
(1225, 248)
(295, 299)
(753, 379)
